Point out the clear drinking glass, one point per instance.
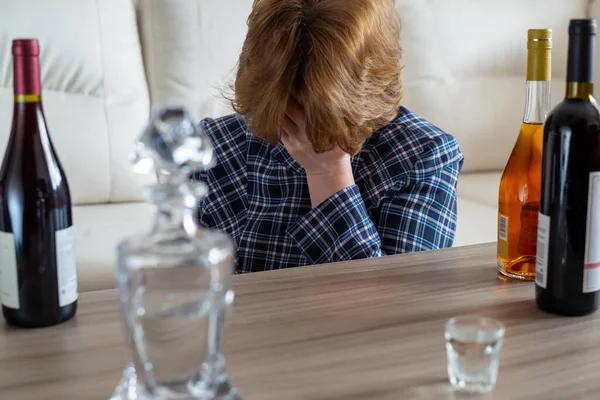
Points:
(175, 281)
(473, 348)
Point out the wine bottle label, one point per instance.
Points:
(66, 266)
(541, 258)
(9, 287)
(591, 273)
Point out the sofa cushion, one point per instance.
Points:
(481, 187)
(94, 88)
(477, 208)
(476, 223)
(98, 230)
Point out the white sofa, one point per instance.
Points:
(105, 61)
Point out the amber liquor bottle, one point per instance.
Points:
(519, 194)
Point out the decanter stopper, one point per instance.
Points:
(172, 145)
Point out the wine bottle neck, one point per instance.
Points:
(27, 83)
(539, 75)
(538, 102)
(29, 125)
(28, 98)
(580, 90)
(580, 64)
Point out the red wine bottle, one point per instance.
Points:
(568, 254)
(38, 281)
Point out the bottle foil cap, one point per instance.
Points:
(25, 47)
(539, 39)
(539, 54)
(586, 27)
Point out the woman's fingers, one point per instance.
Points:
(290, 127)
(286, 139)
(296, 113)
(283, 135)
(294, 125)
(298, 133)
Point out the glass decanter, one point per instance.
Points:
(175, 281)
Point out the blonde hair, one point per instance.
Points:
(340, 59)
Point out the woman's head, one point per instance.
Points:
(340, 59)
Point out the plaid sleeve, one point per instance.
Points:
(337, 229)
(224, 207)
(420, 216)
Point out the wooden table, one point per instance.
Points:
(370, 329)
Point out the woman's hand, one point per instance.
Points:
(326, 173)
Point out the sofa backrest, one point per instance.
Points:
(191, 48)
(465, 61)
(466, 67)
(102, 64)
(94, 88)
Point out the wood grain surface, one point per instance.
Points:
(369, 329)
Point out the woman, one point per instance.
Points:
(321, 163)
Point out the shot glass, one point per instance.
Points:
(473, 348)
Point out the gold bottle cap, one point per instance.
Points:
(539, 39)
(539, 60)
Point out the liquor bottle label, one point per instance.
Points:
(502, 236)
(66, 267)
(503, 227)
(9, 286)
(541, 258)
(591, 273)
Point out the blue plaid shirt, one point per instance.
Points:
(404, 198)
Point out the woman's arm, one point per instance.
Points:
(419, 217)
(419, 213)
(326, 173)
(225, 205)
(423, 215)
